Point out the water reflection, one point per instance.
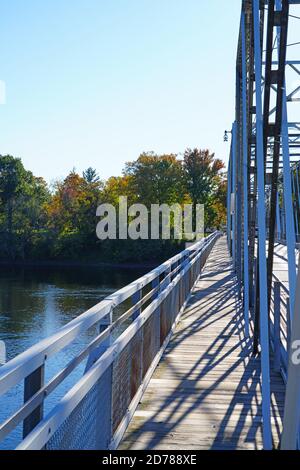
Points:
(36, 302)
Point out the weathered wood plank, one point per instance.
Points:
(206, 393)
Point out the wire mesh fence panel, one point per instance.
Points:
(136, 363)
(171, 311)
(151, 340)
(89, 425)
(181, 292)
(164, 327)
(121, 386)
(191, 275)
(186, 285)
(175, 306)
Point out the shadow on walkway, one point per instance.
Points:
(206, 392)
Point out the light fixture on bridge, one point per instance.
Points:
(226, 138)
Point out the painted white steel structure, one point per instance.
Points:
(264, 176)
(162, 295)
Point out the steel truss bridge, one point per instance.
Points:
(263, 185)
(203, 352)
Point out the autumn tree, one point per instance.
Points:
(157, 179)
(202, 173)
(74, 202)
(119, 186)
(61, 222)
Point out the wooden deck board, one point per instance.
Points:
(206, 392)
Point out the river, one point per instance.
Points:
(36, 302)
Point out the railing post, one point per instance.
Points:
(32, 384)
(136, 298)
(105, 323)
(198, 267)
(155, 284)
(277, 341)
(186, 280)
(191, 276)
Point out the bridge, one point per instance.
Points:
(204, 351)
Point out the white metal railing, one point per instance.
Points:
(117, 369)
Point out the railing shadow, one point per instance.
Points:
(228, 354)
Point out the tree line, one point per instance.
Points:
(38, 222)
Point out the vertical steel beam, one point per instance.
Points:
(297, 200)
(294, 196)
(287, 188)
(278, 221)
(278, 78)
(252, 178)
(268, 71)
(239, 171)
(228, 205)
(277, 340)
(288, 206)
(264, 323)
(233, 192)
(245, 176)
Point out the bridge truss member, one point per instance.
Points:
(263, 177)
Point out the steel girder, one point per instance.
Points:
(264, 171)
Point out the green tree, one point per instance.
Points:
(202, 173)
(12, 175)
(157, 179)
(30, 216)
(90, 176)
(22, 199)
(118, 186)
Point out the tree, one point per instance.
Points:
(157, 179)
(219, 203)
(22, 198)
(91, 195)
(30, 216)
(71, 212)
(202, 172)
(118, 186)
(39, 223)
(90, 176)
(12, 175)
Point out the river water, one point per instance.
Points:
(36, 302)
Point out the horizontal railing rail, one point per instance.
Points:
(157, 299)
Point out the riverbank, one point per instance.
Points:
(77, 264)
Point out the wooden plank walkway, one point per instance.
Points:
(206, 393)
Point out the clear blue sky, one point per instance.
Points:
(97, 82)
